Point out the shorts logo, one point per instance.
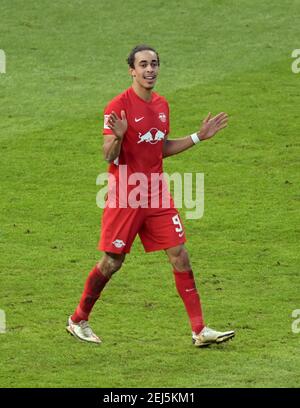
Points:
(162, 116)
(118, 243)
(152, 136)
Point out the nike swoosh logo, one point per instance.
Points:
(181, 234)
(138, 119)
(189, 290)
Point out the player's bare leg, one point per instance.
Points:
(111, 263)
(77, 324)
(184, 279)
(179, 258)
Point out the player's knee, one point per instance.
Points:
(116, 265)
(180, 259)
(111, 263)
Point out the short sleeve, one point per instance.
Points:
(116, 106)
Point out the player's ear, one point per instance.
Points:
(132, 72)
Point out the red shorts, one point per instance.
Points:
(158, 228)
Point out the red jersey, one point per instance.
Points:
(142, 145)
(148, 125)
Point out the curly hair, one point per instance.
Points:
(141, 47)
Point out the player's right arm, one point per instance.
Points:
(116, 128)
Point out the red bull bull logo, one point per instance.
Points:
(152, 136)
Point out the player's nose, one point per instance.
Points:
(149, 69)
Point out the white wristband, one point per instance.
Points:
(195, 138)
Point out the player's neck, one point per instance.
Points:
(143, 93)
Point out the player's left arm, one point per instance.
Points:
(210, 126)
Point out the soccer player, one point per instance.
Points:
(136, 127)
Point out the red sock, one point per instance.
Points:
(187, 290)
(92, 289)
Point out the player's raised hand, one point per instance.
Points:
(118, 125)
(210, 126)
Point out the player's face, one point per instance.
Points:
(146, 69)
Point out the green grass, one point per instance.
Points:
(65, 60)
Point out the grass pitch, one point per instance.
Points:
(65, 61)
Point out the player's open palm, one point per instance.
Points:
(210, 126)
(118, 125)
